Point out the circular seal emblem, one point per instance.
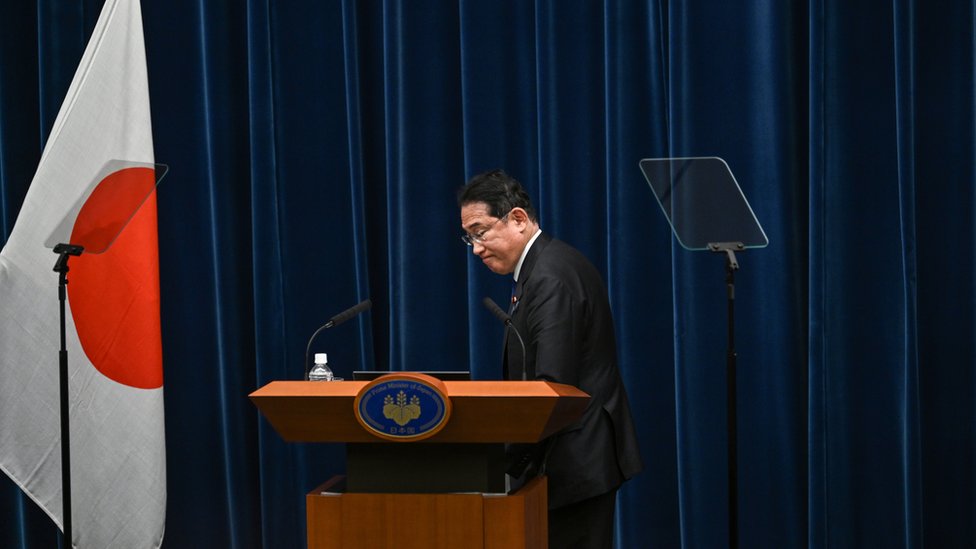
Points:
(403, 406)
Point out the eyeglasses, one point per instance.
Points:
(479, 237)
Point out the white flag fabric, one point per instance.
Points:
(118, 470)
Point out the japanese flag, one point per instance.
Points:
(95, 170)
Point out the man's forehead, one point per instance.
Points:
(475, 213)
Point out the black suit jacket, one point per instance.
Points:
(562, 311)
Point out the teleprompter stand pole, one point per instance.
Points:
(731, 265)
(65, 251)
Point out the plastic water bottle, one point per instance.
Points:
(320, 371)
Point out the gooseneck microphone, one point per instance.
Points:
(335, 321)
(507, 321)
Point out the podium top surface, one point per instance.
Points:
(483, 411)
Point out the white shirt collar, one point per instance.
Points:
(525, 251)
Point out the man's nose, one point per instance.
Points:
(477, 248)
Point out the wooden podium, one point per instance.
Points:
(444, 491)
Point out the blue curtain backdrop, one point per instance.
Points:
(315, 148)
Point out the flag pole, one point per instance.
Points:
(65, 251)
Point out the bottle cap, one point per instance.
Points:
(321, 358)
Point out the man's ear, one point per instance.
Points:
(519, 216)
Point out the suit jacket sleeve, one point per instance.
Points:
(553, 320)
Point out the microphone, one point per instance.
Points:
(335, 321)
(348, 313)
(507, 321)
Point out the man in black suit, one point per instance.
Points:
(560, 307)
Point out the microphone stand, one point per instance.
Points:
(65, 251)
(731, 265)
(506, 319)
(338, 319)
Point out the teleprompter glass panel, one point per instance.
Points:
(107, 204)
(703, 202)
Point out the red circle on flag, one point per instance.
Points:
(114, 296)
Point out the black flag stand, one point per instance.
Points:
(65, 251)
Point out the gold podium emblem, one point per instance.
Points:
(400, 411)
(388, 406)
